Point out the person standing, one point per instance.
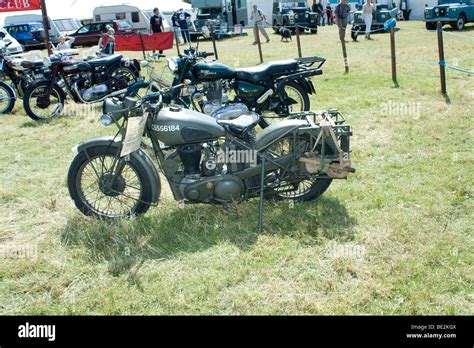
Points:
(329, 14)
(110, 36)
(258, 18)
(183, 18)
(156, 23)
(319, 9)
(367, 14)
(342, 13)
(176, 29)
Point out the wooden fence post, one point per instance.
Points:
(442, 68)
(344, 54)
(143, 45)
(257, 35)
(298, 42)
(214, 44)
(177, 42)
(394, 57)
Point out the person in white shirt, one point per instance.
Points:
(65, 42)
(367, 14)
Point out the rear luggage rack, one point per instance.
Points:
(310, 61)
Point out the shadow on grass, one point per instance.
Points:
(125, 244)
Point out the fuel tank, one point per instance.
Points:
(175, 126)
(74, 67)
(211, 71)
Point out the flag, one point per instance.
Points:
(19, 5)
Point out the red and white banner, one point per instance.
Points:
(152, 42)
(19, 5)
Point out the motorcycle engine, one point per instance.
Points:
(215, 97)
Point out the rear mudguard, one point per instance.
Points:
(139, 155)
(277, 131)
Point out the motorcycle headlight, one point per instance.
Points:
(173, 64)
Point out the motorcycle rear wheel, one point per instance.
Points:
(130, 194)
(295, 91)
(299, 190)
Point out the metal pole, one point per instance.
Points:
(44, 12)
(257, 34)
(394, 57)
(262, 197)
(298, 42)
(442, 69)
(214, 45)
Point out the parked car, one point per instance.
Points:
(88, 35)
(14, 47)
(383, 13)
(290, 14)
(453, 12)
(29, 35)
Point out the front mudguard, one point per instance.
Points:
(139, 155)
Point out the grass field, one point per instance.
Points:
(395, 238)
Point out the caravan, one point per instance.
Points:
(131, 14)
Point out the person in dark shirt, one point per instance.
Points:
(156, 23)
(182, 18)
(319, 9)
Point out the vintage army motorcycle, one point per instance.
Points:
(204, 159)
(273, 90)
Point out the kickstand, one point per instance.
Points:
(262, 196)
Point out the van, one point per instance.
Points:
(54, 32)
(29, 35)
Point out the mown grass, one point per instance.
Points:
(396, 238)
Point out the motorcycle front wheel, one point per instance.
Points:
(98, 190)
(40, 105)
(302, 103)
(7, 98)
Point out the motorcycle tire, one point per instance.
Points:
(306, 104)
(99, 154)
(43, 102)
(7, 98)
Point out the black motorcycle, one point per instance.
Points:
(274, 90)
(20, 72)
(204, 159)
(86, 82)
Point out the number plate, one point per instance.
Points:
(133, 135)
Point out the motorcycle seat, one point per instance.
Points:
(240, 125)
(106, 61)
(266, 71)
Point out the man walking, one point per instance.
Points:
(319, 9)
(258, 18)
(342, 13)
(156, 23)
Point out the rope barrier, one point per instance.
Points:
(443, 63)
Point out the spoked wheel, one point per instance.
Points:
(297, 189)
(105, 186)
(123, 76)
(7, 98)
(300, 99)
(41, 105)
